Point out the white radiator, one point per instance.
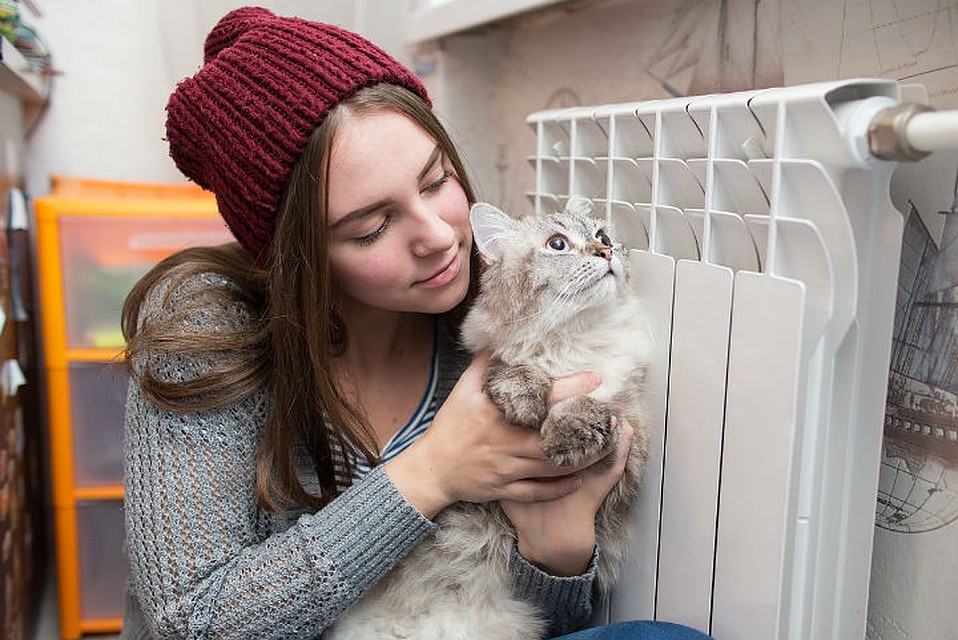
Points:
(766, 248)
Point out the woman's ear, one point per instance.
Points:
(490, 229)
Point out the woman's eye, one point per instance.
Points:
(369, 238)
(437, 185)
(603, 238)
(558, 242)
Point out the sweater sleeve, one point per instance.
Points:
(203, 565)
(566, 602)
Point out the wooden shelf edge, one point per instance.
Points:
(17, 78)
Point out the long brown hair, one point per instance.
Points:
(294, 332)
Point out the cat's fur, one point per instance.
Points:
(554, 300)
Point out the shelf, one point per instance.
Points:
(100, 626)
(17, 79)
(443, 18)
(94, 354)
(108, 492)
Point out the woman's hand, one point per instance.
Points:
(471, 454)
(558, 535)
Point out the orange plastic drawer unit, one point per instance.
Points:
(95, 239)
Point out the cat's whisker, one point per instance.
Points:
(563, 296)
(532, 316)
(558, 299)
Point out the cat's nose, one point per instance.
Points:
(603, 252)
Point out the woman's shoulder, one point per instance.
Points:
(193, 324)
(198, 302)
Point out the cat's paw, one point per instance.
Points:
(521, 393)
(576, 430)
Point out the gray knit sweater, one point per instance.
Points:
(208, 562)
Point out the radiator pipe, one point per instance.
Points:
(933, 130)
(911, 131)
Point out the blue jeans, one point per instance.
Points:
(637, 631)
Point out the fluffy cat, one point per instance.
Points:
(554, 300)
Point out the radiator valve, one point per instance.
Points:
(887, 132)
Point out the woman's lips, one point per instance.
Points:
(444, 275)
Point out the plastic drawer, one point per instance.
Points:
(103, 257)
(97, 402)
(104, 567)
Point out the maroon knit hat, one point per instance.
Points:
(239, 125)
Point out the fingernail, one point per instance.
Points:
(613, 422)
(595, 379)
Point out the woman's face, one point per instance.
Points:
(399, 219)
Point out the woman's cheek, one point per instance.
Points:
(457, 208)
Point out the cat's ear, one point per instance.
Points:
(580, 205)
(490, 228)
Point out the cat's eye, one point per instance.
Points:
(558, 242)
(602, 237)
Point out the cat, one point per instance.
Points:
(554, 299)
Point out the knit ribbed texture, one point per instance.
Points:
(207, 562)
(240, 123)
(535, 585)
(343, 529)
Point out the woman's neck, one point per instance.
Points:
(385, 367)
(376, 338)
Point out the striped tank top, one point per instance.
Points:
(421, 418)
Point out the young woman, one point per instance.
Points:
(298, 411)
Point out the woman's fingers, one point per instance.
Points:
(481, 457)
(539, 490)
(574, 385)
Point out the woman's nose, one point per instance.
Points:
(433, 233)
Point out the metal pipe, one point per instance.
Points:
(911, 131)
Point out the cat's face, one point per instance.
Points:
(571, 258)
(557, 264)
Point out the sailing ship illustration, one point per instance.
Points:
(918, 486)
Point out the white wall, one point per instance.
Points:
(112, 79)
(120, 59)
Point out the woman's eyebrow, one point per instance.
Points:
(362, 212)
(430, 162)
(370, 208)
